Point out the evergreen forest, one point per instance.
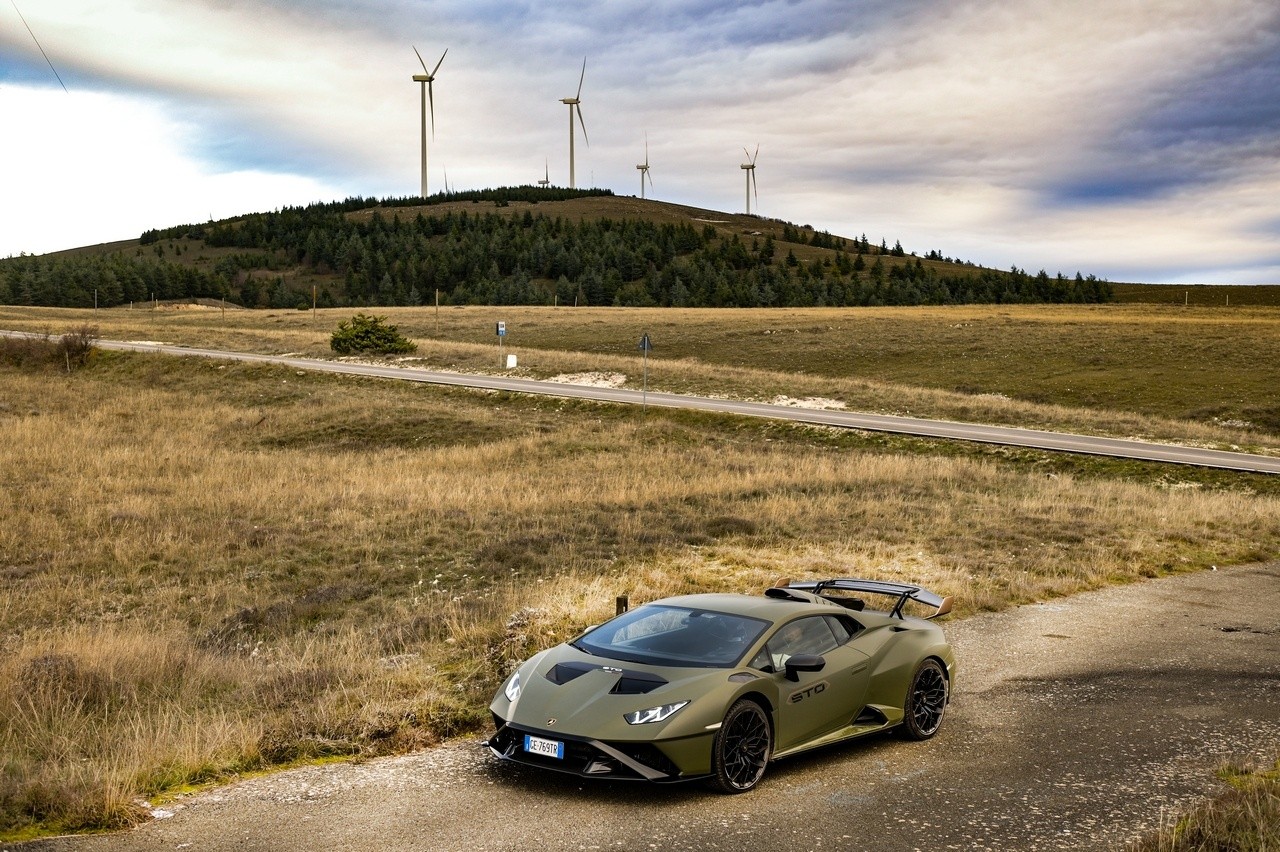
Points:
(367, 252)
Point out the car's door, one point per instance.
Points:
(822, 701)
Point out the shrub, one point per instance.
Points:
(26, 350)
(76, 346)
(72, 349)
(364, 333)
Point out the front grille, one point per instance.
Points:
(582, 757)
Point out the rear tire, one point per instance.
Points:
(926, 702)
(742, 748)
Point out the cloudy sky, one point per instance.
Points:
(1138, 140)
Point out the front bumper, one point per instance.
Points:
(586, 757)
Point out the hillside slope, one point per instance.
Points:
(519, 245)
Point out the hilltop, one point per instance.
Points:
(517, 245)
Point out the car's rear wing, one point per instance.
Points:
(901, 592)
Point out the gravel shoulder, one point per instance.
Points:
(1076, 724)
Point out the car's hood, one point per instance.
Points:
(570, 692)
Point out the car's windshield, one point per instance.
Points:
(674, 636)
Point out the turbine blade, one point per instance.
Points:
(755, 188)
(50, 61)
(437, 68)
(578, 107)
(424, 65)
(431, 99)
(581, 77)
(756, 154)
(650, 177)
(746, 154)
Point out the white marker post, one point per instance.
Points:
(645, 346)
(502, 333)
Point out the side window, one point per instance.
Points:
(840, 628)
(804, 636)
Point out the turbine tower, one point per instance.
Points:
(644, 168)
(750, 167)
(424, 81)
(546, 175)
(575, 103)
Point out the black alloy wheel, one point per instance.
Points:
(742, 748)
(926, 702)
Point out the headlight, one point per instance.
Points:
(512, 689)
(654, 714)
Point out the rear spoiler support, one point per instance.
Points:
(902, 591)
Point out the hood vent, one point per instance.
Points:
(637, 683)
(630, 681)
(562, 673)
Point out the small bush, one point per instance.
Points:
(76, 346)
(72, 349)
(26, 351)
(364, 333)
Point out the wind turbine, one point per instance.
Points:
(575, 103)
(424, 81)
(41, 46)
(750, 167)
(546, 175)
(644, 168)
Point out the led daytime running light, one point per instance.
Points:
(654, 714)
(512, 690)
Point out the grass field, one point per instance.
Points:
(1201, 375)
(211, 568)
(1200, 295)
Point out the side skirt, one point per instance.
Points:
(848, 732)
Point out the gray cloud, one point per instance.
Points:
(1030, 131)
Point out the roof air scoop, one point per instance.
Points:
(790, 594)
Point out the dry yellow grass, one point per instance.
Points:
(211, 568)
(1245, 818)
(1201, 375)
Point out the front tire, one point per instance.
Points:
(742, 748)
(926, 702)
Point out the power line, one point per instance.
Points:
(37, 41)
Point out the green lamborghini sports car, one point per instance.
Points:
(717, 686)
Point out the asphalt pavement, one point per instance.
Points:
(1076, 724)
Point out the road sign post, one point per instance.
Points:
(502, 336)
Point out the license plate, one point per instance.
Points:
(549, 748)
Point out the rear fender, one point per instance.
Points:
(892, 677)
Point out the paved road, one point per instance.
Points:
(1076, 724)
(1007, 436)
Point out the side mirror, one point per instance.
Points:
(804, 663)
